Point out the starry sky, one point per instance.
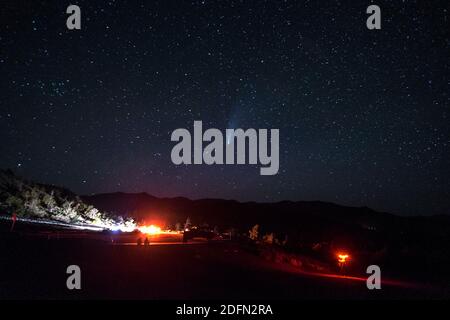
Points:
(363, 115)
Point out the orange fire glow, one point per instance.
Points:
(342, 257)
(151, 229)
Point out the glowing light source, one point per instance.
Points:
(127, 228)
(123, 227)
(342, 258)
(151, 229)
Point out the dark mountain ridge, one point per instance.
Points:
(279, 216)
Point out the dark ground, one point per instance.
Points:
(35, 268)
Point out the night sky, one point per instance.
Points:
(363, 115)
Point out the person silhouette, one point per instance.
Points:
(139, 241)
(146, 242)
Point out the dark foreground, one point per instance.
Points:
(36, 269)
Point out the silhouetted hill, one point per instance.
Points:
(280, 216)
